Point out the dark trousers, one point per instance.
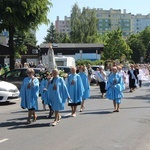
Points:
(102, 87)
(140, 83)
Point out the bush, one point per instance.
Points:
(86, 62)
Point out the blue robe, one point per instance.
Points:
(29, 96)
(114, 88)
(76, 90)
(44, 93)
(84, 78)
(57, 94)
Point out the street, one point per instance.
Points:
(96, 128)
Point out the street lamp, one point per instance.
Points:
(81, 54)
(39, 52)
(96, 54)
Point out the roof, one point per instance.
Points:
(72, 45)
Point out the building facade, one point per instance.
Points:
(112, 19)
(140, 22)
(109, 20)
(4, 37)
(63, 26)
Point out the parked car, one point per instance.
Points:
(8, 91)
(65, 69)
(93, 77)
(95, 67)
(16, 76)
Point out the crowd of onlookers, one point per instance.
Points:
(29, 65)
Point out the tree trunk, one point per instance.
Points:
(11, 47)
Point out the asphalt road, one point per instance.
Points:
(96, 128)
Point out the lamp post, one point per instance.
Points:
(96, 54)
(81, 54)
(39, 53)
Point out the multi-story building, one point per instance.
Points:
(140, 22)
(4, 37)
(63, 26)
(112, 19)
(109, 20)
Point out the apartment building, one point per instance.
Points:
(140, 22)
(111, 19)
(63, 26)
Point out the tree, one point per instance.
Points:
(21, 39)
(115, 46)
(52, 35)
(145, 38)
(83, 25)
(64, 38)
(137, 46)
(22, 15)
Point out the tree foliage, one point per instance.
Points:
(140, 45)
(137, 46)
(21, 39)
(115, 46)
(22, 15)
(52, 35)
(83, 25)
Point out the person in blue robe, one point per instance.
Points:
(115, 87)
(76, 90)
(86, 93)
(43, 90)
(57, 95)
(29, 93)
(44, 93)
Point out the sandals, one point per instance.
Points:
(28, 122)
(59, 118)
(54, 123)
(34, 119)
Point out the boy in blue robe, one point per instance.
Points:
(57, 95)
(76, 90)
(29, 94)
(44, 93)
(42, 90)
(86, 93)
(115, 87)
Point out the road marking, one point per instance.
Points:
(1, 141)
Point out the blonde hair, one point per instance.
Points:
(30, 70)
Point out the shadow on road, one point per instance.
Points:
(7, 103)
(95, 97)
(97, 113)
(143, 97)
(17, 123)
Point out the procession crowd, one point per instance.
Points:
(75, 89)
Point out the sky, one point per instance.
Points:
(63, 8)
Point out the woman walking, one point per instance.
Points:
(102, 80)
(76, 90)
(58, 94)
(86, 93)
(114, 88)
(29, 94)
(133, 79)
